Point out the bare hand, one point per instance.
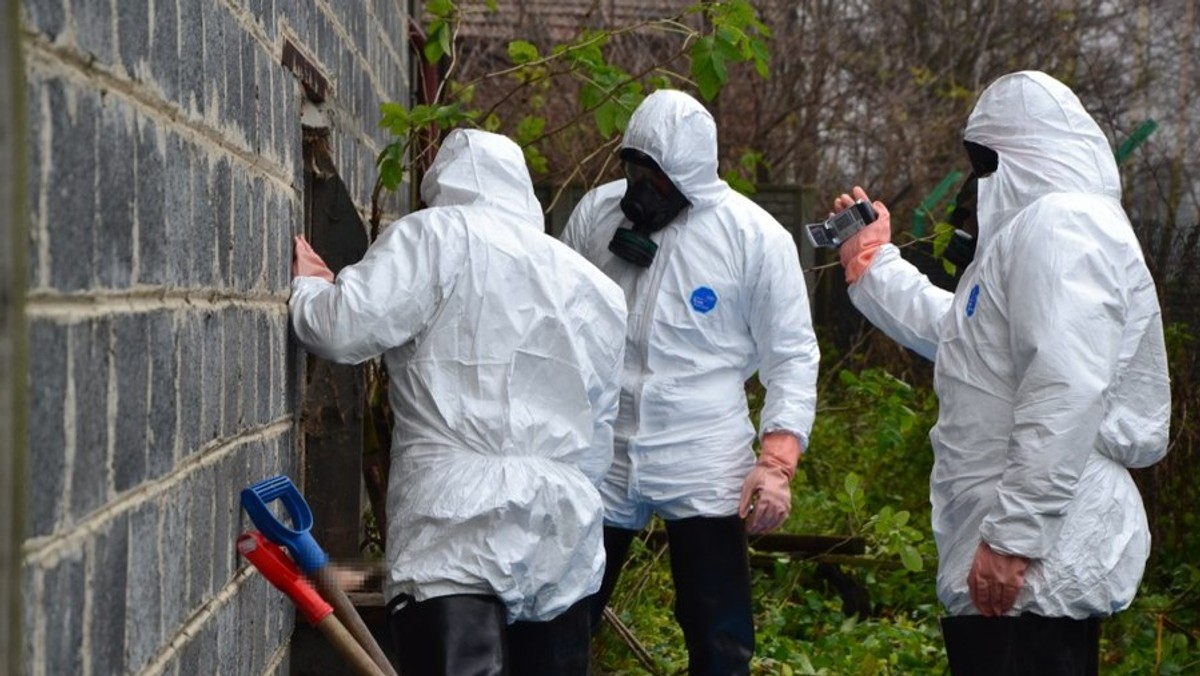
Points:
(995, 579)
(306, 262)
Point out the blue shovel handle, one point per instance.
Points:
(304, 548)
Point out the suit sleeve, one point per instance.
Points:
(781, 323)
(385, 299)
(900, 301)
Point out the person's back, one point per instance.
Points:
(503, 349)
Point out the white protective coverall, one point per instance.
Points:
(723, 297)
(1050, 367)
(504, 350)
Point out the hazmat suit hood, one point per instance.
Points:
(480, 169)
(1046, 142)
(681, 136)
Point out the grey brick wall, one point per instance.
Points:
(163, 187)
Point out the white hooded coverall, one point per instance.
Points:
(724, 296)
(503, 348)
(1049, 363)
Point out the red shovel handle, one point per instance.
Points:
(273, 563)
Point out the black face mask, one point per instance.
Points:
(984, 160)
(651, 202)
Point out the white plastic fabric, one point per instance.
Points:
(504, 350)
(1050, 367)
(724, 297)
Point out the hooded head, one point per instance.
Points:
(679, 135)
(1045, 142)
(481, 168)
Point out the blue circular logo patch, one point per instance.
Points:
(704, 299)
(972, 299)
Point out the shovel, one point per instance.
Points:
(280, 571)
(307, 553)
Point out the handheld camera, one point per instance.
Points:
(838, 228)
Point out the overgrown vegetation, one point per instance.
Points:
(867, 474)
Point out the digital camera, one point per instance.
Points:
(831, 233)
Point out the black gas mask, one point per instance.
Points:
(984, 160)
(651, 201)
(960, 250)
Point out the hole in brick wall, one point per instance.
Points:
(334, 394)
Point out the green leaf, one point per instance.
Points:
(437, 41)
(606, 118)
(491, 5)
(529, 128)
(522, 51)
(911, 558)
(852, 483)
(491, 122)
(439, 8)
(708, 67)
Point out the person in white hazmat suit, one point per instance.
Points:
(715, 292)
(1051, 376)
(504, 350)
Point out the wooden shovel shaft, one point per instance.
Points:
(348, 647)
(329, 589)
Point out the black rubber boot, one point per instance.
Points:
(711, 571)
(459, 635)
(1028, 645)
(616, 548)
(557, 647)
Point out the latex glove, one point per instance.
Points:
(306, 262)
(856, 253)
(770, 480)
(995, 579)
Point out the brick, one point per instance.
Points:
(232, 387)
(191, 378)
(199, 654)
(47, 18)
(222, 220)
(224, 530)
(143, 621)
(108, 592)
(164, 56)
(243, 254)
(213, 369)
(199, 505)
(175, 554)
(231, 77)
(94, 29)
(65, 585)
(71, 203)
(275, 340)
(153, 240)
(249, 93)
(162, 414)
(90, 344)
(200, 233)
(114, 234)
(133, 34)
(47, 441)
(177, 182)
(256, 225)
(263, 384)
(293, 370)
(230, 641)
(133, 373)
(35, 94)
(31, 610)
(214, 55)
(191, 54)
